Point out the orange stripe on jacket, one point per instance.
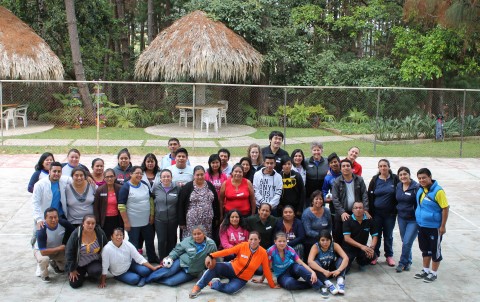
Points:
(242, 250)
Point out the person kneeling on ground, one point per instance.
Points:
(188, 259)
(124, 261)
(249, 257)
(328, 259)
(50, 244)
(288, 267)
(356, 230)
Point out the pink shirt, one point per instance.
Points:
(233, 236)
(216, 181)
(112, 206)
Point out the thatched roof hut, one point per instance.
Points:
(199, 48)
(23, 54)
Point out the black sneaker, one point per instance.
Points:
(400, 268)
(430, 278)
(323, 292)
(46, 279)
(421, 275)
(55, 267)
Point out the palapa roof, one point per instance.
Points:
(23, 54)
(197, 47)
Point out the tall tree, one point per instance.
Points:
(77, 59)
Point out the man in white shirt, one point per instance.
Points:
(268, 184)
(181, 172)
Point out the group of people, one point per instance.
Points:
(299, 217)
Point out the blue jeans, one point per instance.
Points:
(222, 269)
(408, 233)
(134, 274)
(385, 223)
(333, 266)
(171, 276)
(289, 279)
(148, 235)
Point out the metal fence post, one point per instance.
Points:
(463, 122)
(97, 97)
(193, 117)
(285, 117)
(376, 125)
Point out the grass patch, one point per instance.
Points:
(449, 149)
(90, 133)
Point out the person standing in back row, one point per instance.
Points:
(276, 140)
(431, 214)
(268, 184)
(317, 169)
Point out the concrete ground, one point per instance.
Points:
(458, 275)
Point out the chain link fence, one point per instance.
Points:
(380, 114)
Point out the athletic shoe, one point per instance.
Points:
(430, 278)
(323, 292)
(141, 282)
(390, 261)
(421, 275)
(196, 290)
(407, 267)
(55, 267)
(400, 268)
(341, 288)
(214, 280)
(46, 279)
(332, 289)
(38, 272)
(374, 261)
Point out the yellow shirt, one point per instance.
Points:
(440, 198)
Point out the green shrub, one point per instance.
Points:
(356, 116)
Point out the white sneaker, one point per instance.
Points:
(38, 272)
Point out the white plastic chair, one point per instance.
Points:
(9, 115)
(185, 114)
(209, 116)
(21, 112)
(222, 112)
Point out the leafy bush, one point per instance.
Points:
(352, 128)
(356, 116)
(471, 125)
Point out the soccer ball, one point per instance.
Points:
(167, 262)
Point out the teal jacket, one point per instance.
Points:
(429, 212)
(190, 259)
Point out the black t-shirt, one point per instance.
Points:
(359, 231)
(278, 157)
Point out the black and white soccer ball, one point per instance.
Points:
(167, 262)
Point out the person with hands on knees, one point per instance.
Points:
(49, 247)
(329, 260)
(288, 267)
(124, 262)
(249, 257)
(186, 261)
(83, 252)
(356, 231)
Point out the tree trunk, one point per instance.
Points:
(77, 60)
(124, 51)
(150, 21)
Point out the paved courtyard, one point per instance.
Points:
(458, 275)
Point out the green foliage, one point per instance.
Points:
(250, 114)
(471, 125)
(356, 116)
(351, 128)
(67, 100)
(66, 116)
(301, 115)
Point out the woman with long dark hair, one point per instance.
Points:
(105, 205)
(42, 169)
